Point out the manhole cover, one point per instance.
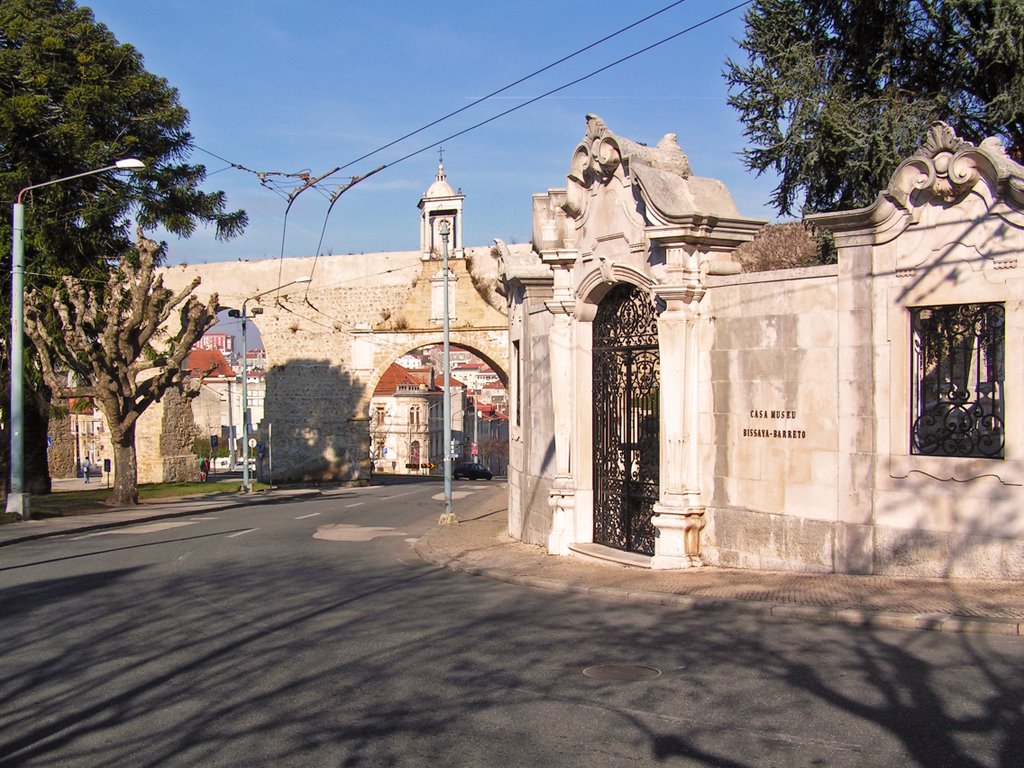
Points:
(621, 673)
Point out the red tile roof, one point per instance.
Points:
(395, 376)
(208, 364)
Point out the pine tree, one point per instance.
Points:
(835, 93)
(73, 99)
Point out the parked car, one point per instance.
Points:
(471, 471)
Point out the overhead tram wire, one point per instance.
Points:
(528, 102)
(334, 197)
(521, 80)
(577, 81)
(307, 183)
(263, 175)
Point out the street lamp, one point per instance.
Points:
(246, 485)
(448, 517)
(17, 499)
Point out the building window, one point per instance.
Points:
(957, 380)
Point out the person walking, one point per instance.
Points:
(86, 467)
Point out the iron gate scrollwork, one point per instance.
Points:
(627, 381)
(958, 380)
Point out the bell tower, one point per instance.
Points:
(439, 203)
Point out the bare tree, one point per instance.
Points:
(115, 342)
(786, 246)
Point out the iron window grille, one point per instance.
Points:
(957, 380)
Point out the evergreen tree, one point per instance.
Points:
(72, 99)
(835, 93)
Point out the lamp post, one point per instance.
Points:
(448, 516)
(246, 485)
(17, 499)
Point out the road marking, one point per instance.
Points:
(136, 530)
(348, 532)
(303, 517)
(398, 495)
(241, 533)
(357, 504)
(455, 495)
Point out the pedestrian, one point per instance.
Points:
(204, 470)
(86, 466)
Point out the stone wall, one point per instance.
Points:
(329, 341)
(770, 432)
(61, 455)
(792, 404)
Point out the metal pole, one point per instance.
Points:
(449, 516)
(246, 487)
(232, 450)
(17, 500)
(245, 410)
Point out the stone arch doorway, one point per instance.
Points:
(626, 394)
(406, 409)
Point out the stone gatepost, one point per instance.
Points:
(691, 253)
(562, 496)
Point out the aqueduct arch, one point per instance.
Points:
(329, 341)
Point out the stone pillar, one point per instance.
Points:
(562, 372)
(679, 513)
(561, 497)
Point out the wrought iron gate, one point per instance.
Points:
(626, 421)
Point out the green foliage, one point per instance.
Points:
(73, 99)
(835, 93)
(201, 448)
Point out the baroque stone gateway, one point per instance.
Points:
(669, 411)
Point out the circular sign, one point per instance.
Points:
(252, 442)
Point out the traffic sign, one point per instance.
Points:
(252, 442)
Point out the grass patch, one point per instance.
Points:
(84, 502)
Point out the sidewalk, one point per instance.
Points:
(479, 545)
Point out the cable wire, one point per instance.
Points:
(521, 80)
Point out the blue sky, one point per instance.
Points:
(310, 85)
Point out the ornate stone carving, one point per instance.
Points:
(948, 167)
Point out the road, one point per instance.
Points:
(309, 633)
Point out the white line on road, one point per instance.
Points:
(241, 533)
(136, 530)
(303, 517)
(357, 504)
(399, 495)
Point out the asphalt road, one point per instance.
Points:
(309, 633)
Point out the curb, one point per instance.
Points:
(858, 617)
